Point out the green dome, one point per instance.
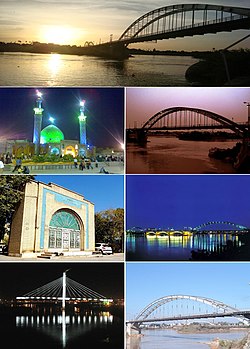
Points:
(51, 134)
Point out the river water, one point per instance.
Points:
(224, 246)
(28, 69)
(61, 331)
(171, 155)
(169, 339)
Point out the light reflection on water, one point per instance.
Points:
(169, 339)
(177, 247)
(63, 327)
(27, 69)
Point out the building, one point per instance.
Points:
(52, 219)
(50, 139)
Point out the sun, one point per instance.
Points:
(59, 35)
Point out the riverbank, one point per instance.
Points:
(226, 344)
(220, 68)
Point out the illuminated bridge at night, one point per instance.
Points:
(63, 289)
(185, 118)
(178, 21)
(176, 308)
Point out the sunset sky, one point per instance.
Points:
(77, 21)
(142, 103)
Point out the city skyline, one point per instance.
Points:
(143, 103)
(80, 21)
(225, 282)
(105, 192)
(186, 201)
(103, 108)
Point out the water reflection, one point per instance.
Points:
(63, 327)
(226, 245)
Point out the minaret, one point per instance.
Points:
(38, 116)
(82, 124)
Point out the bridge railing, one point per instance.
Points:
(138, 34)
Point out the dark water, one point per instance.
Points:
(171, 155)
(195, 247)
(27, 69)
(170, 339)
(95, 329)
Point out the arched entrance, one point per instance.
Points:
(64, 231)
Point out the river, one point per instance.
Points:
(170, 339)
(29, 69)
(171, 155)
(224, 246)
(60, 331)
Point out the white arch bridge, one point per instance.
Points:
(185, 307)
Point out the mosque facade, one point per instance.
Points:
(52, 220)
(50, 139)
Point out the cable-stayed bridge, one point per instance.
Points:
(64, 289)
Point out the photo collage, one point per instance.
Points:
(125, 174)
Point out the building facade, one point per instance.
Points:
(52, 219)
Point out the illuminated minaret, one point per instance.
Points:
(82, 123)
(38, 116)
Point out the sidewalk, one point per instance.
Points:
(116, 257)
(110, 167)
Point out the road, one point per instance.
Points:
(116, 257)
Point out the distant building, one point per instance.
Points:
(52, 219)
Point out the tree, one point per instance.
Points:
(109, 227)
(11, 193)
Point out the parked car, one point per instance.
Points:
(103, 248)
(3, 248)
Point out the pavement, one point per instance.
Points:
(111, 167)
(115, 257)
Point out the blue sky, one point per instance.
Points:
(225, 282)
(187, 201)
(105, 191)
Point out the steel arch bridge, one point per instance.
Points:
(186, 118)
(204, 225)
(185, 20)
(220, 309)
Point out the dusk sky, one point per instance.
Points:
(20, 278)
(104, 192)
(142, 103)
(104, 108)
(225, 282)
(186, 201)
(77, 21)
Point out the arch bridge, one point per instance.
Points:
(171, 22)
(232, 226)
(185, 118)
(185, 20)
(185, 307)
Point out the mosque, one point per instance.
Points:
(50, 139)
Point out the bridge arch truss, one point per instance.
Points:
(219, 307)
(207, 224)
(186, 20)
(177, 118)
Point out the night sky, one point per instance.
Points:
(20, 278)
(104, 108)
(186, 201)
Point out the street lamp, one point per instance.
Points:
(248, 117)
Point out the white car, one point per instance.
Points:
(103, 248)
